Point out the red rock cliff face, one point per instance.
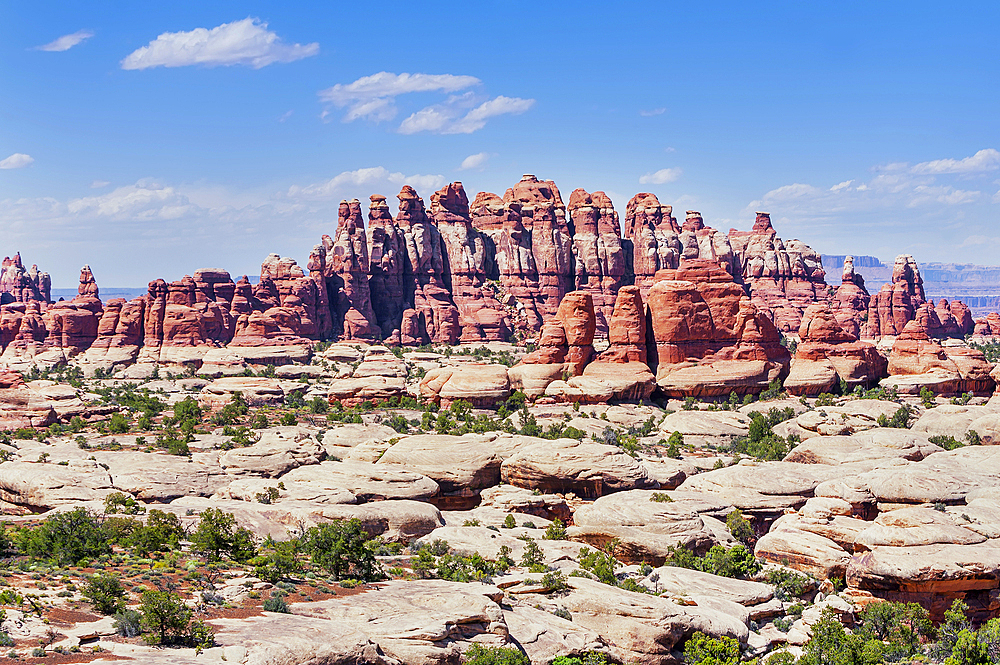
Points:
(347, 272)
(784, 277)
(650, 241)
(896, 303)
(434, 316)
(599, 261)
(710, 339)
(387, 260)
(850, 302)
(466, 271)
(515, 268)
(543, 215)
(828, 354)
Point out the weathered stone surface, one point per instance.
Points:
(365, 480)
(44, 486)
(456, 463)
(565, 465)
(685, 582)
(804, 551)
(278, 451)
(480, 385)
(874, 444)
(645, 528)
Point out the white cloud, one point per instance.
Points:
(373, 97)
(477, 117)
(670, 149)
(66, 42)
(142, 201)
(247, 42)
(285, 116)
(652, 112)
(345, 183)
(99, 184)
(17, 161)
(661, 177)
(453, 118)
(843, 185)
(476, 161)
(984, 160)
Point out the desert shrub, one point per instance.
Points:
(217, 534)
(165, 617)
(739, 527)
(556, 530)
(276, 603)
(122, 504)
(341, 547)
(787, 583)
(105, 592)
(945, 441)
(65, 538)
(700, 649)
(480, 655)
(162, 532)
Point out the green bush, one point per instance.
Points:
(105, 592)
(480, 655)
(122, 504)
(341, 547)
(556, 530)
(118, 424)
(787, 583)
(65, 538)
(165, 617)
(276, 603)
(217, 534)
(162, 532)
(601, 565)
(945, 441)
(739, 527)
(737, 561)
(279, 563)
(700, 649)
(674, 444)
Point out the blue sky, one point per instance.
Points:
(152, 139)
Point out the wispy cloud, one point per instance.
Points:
(286, 115)
(66, 42)
(373, 97)
(99, 184)
(247, 42)
(651, 112)
(476, 161)
(17, 161)
(454, 118)
(983, 161)
(895, 185)
(661, 177)
(463, 112)
(373, 177)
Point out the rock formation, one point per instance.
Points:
(784, 277)
(598, 257)
(710, 339)
(433, 317)
(828, 354)
(347, 272)
(386, 261)
(850, 302)
(917, 361)
(896, 303)
(467, 251)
